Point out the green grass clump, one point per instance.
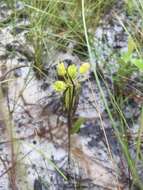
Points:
(54, 24)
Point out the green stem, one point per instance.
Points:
(70, 116)
(69, 137)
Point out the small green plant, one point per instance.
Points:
(70, 86)
(125, 70)
(129, 6)
(130, 60)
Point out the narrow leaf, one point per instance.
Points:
(77, 125)
(131, 45)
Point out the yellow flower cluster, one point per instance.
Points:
(69, 72)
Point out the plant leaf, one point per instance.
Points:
(138, 63)
(131, 45)
(77, 125)
(126, 57)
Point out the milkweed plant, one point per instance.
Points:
(69, 86)
(70, 83)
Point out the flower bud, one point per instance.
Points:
(59, 86)
(84, 68)
(61, 69)
(72, 71)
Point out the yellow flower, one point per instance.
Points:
(59, 86)
(61, 69)
(84, 68)
(72, 71)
